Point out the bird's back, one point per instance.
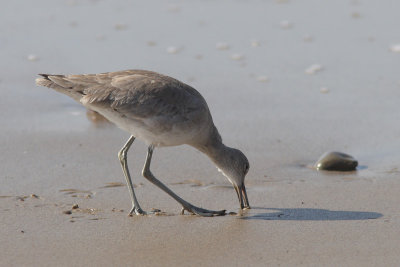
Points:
(154, 107)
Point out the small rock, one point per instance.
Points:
(67, 212)
(237, 56)
(222, 46)
(34, 196)
(285, 24)
(32, 57)
(155, 210)
(232, 213)
(75, 206)
(313, 69)
(255, 43)
(324, 90)
(336, 161)
(262, 78)
(308, 38)
(173, 50)
(120, 26)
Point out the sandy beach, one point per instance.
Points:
(286, 81)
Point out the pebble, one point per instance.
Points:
(324, 90)
(75, 206)
(308, 38)
(173, 50)
(313, 69)
(237, 56)
(32, 57)
(255, 43)
(285, 24)
(262, 78)
(155, 210)
(120, 26)
(336, 161)
(222, 46)
(67, 212)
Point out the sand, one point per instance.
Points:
(286, 81)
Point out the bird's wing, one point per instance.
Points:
(140, 94)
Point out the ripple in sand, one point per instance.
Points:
(77, 193)
(192, 182)
(336, 161)
(115, 184)
(219, 187)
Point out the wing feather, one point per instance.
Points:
(141, 94)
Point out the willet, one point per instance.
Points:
(161, 111)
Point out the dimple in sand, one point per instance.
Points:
(161, 111)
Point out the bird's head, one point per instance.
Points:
(234, 165)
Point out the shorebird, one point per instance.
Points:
(161, 111)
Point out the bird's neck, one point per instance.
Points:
(214, 148)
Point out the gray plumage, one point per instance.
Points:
(159, 110)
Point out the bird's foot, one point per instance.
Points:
(203, 212)
(137, 211)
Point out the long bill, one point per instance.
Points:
(242, 195)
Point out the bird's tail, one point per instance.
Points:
(60, 84)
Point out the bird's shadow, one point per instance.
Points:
(308, 214)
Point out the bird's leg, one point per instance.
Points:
(122, 155)
(186, 205)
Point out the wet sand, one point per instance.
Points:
(286, 81)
